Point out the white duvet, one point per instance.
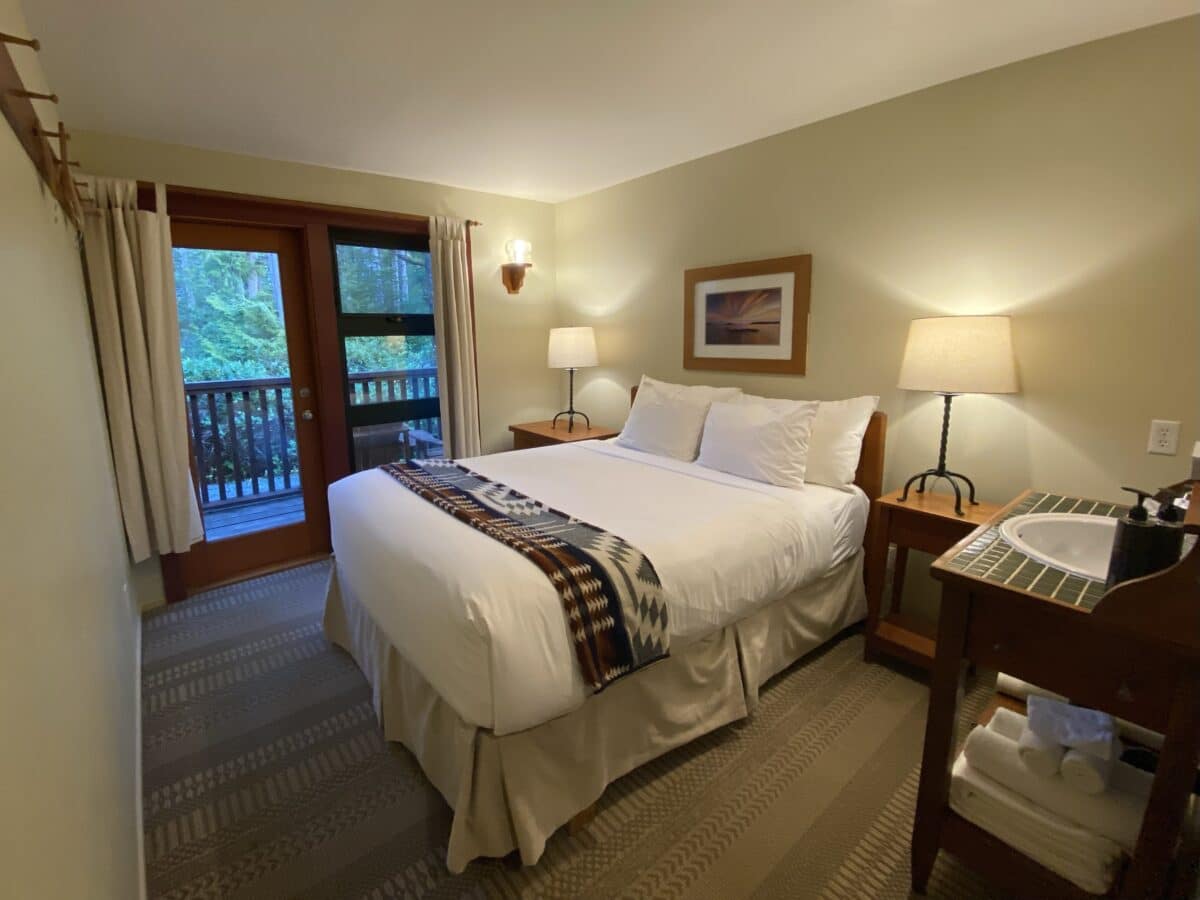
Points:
(482, 623)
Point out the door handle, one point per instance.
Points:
(307, 415)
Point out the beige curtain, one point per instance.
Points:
(132, 284)
(455, 326)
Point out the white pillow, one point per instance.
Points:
(765, 440)
(836, 441)
(667, 419)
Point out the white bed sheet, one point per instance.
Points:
(483, 625)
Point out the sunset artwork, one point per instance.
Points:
(743, 317)
(747, 316)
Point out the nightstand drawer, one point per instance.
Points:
(928, 533)
(523, 440)
(543, 434)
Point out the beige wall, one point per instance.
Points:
(1063, 190)
(68, 624)
(513, 381)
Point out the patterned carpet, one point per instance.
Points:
(266, 777)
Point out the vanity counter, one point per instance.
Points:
(1133, 652)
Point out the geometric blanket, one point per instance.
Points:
(610, 593)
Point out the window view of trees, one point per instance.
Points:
(231, 310)
(230, 315)
(385, 281)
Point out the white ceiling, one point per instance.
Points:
(546, 99)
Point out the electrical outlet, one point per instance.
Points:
(1164, 437)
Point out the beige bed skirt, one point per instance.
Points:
(511, 792)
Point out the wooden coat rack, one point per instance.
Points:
(16, 103)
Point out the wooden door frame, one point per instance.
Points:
(312, 223)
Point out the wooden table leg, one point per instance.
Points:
(876, 574)
(945, 692)
(1173, 782)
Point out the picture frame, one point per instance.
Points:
(748, 316)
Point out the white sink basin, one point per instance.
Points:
(1079, 544)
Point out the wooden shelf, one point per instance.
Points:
(905, 638)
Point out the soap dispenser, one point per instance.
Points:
(1133, 550)
(1168, 537)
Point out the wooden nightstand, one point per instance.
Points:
(924, 522)
(540, 434)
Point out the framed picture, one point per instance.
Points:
(748, 317)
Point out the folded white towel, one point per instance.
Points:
(1087, 773)
(1075, 727)
(1040, 756)
(1115, 814)
(1082, 857)
(1022, 690)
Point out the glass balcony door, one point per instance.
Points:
(384, 291)
(252, 412)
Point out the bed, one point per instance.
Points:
(464, 645)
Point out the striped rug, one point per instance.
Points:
(266, 777)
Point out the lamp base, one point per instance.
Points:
(951, 477)
(941, 471)
(571, 414)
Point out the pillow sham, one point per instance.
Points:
(836, 441)
(667, 419)
(765, 440)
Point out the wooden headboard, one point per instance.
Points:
(869, 475)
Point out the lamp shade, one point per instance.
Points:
(959, 355)
(519, 252)
(572, 348)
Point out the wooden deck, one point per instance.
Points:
(256, 515)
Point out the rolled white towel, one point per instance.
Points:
(1040, 756)
(1075, 727)
(1115, 814)
(1087, 773)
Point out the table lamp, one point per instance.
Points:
(951, 355)
(571, 349)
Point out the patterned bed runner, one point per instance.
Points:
(610, 593)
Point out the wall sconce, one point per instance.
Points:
(512, 273)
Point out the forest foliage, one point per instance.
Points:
(231, 311)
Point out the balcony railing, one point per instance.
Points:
(243, 432)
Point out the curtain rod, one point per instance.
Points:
(32, 43)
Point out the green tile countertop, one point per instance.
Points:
(991, 558)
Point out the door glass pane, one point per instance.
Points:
(375, 445)
(384, 368)
(384, 280)
(238, 385)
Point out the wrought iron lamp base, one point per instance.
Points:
(571, 412)
(940, 471)
(951, 477)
